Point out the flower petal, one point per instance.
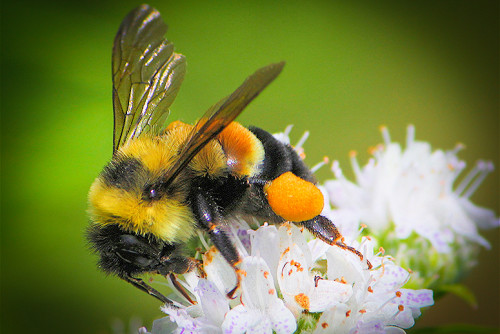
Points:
(264, 242)
(282, 320)
(344, 265)
(257, 286)
(370, 327)
(390, 277)
(328, 293)
(484, 218)
(213, 304)
(163, 326)
(416, 298)
(240, 319)
(218, 270)
(335, 321)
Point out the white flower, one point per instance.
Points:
(285, 276)
(351, 296)
(413, 189)
(379, 304)
(408, 200)
(260, 311)
(301, 286)
(204, 317)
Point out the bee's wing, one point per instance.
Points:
(221, 114)
(147, 74)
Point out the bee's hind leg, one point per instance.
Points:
(324, 229)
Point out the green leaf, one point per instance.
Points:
(461, 291)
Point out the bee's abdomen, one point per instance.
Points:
(280, 158)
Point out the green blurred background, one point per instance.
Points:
(351, 67)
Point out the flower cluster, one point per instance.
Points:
(292, 285)
(408, 200)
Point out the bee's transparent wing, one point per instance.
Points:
(221, 114)
(147, 75)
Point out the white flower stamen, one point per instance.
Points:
(302, 141)
(355, 165)
(410, 136)
(385, 135)
(288, 129)
(202, 240)
(337, 171)
(483, 169)
(320, 164)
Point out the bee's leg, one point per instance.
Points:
(170, 266)
(209, 219)
(324, 229)
(141, 285)
(180, 288)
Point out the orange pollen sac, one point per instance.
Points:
(293, 198)
(348, 313)
(401, 308)
(362, 311)
(371, 290)
(266, 274)
(271, 291)
(398, 293)
(303, 301)
(324, 325)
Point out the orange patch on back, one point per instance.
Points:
(175, 124)
(293, 198)
(243, 150)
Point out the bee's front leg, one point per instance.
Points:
(141, 285)
(179, 265)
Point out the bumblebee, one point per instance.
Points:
(165, 183)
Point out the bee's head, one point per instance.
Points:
(128, 193)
